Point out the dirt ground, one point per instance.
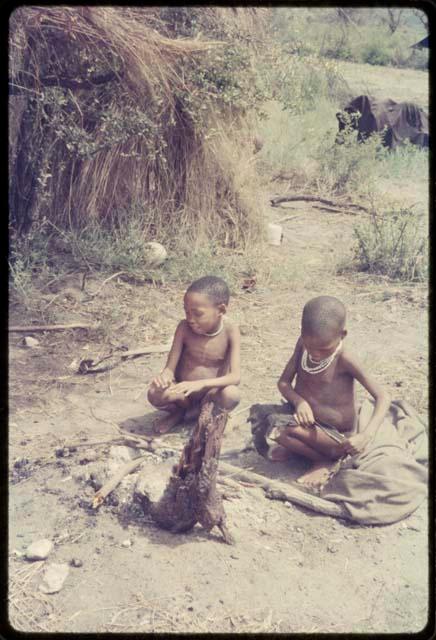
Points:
(291, 569)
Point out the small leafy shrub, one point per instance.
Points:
(393, 244)
(376, 52)
(349, 167)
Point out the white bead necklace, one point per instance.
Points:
(320, 365)
(212, 335)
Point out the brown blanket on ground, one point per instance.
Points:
(388, 481)
(385, 483)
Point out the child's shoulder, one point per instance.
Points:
(230, 327)
(348, 358)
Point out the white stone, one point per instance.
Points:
(126, 543)
(122, 454)
(89, 455)
(30, 342)
(155, 254)
(39, 550)
(54, 578)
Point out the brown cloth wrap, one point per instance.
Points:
(388, 481)
(385, 483)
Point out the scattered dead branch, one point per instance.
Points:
(95, 293)
(52, 327)
(310, 198)
(286, 492)
(107, 488)
(89, 366)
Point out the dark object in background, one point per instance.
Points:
(422, 44)
(398, 120)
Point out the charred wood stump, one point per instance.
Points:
(191, 495)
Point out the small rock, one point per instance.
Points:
(89, 455)
(54, 578)
(76, 562)
(20, 462)
(62, 452)
(39, 550)
(122, 454)
(30, 342)
(126, 543)
(232, 555)
(413, 527)
(332, 549)
(81, 476)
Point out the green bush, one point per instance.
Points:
(393, 244)
(376, 52)
(350, 167)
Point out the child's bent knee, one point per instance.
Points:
(229, 397)
(155, 396)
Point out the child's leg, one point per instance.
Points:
(227, 398)
(318, 440)
(289, 445)
(311, 443)
(166, 400)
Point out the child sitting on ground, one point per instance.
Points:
(204, 359)
(323, 400)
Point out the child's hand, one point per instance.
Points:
(164, 379)
(304, 414)
(188, 387)
(355, 444)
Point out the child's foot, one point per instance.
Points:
(168, 422)
(318, 474)
(278, 454)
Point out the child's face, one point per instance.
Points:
(321, 346)
(202, 314)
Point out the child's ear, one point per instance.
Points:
(222, 308)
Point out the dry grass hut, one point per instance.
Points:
(133, 111)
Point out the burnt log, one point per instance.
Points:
(191, 494)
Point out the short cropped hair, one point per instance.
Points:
(324, 314)
(212, 286)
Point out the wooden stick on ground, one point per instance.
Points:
(52, 327)
(310, 198)
(89, 366)
(110, 485)
(118, 273)
(287, 491)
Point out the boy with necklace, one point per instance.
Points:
(204, 359)
(323, 398)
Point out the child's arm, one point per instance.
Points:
(233, 376)
(166, 376)
(303, 411)
(382, 399)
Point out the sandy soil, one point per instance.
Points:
(291, 570)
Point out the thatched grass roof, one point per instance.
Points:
(107, 125)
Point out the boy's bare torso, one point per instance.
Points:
(203, 356)
(330, 394)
